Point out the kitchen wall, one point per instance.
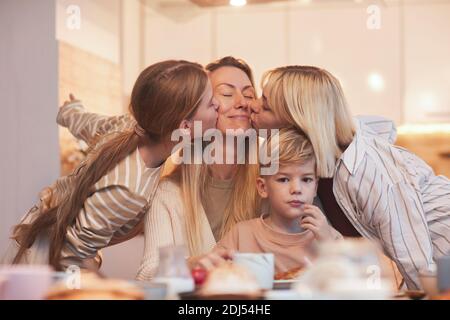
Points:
(426, 61)
(29, 94)
(400, 70)
(99, 29)
(88, 34)
(44, 61)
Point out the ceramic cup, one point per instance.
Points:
(443, 273)
(261, 265)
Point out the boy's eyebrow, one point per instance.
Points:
(304, 174)
(283, 173)
(310, 174)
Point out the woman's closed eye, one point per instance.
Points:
(249, 94)
(265, 107)
(226, 92)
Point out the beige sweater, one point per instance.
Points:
(255, 236)
(216, 201)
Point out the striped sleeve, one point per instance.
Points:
(103, 213)
(394, 211)
(86, 126)
(163, 226)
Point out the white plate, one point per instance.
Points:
(284, 284)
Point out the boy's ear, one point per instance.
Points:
(261, 187)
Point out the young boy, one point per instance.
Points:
(293, 223)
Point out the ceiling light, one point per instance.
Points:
(238, 3)
(376, 82)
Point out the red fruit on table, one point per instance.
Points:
(199, 275)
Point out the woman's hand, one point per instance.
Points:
(315, 221)
(72, 99)
(215, 258)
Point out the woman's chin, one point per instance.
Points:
(236, 127)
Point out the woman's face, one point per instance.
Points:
(234, 93)
(207, 109)
(263, 116)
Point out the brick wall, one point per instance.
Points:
(94, 80)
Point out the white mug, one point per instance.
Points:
(443, 273)
(261, 265)
(26, 282)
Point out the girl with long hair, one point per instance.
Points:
(103, 201)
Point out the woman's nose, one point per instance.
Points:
(242, 102)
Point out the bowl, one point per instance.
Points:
(196, 295)
(153, 291)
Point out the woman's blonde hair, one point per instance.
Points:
(193, 179)
(312, 100)
(164, 94)
(288, 146)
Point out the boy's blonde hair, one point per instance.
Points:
(289, 147)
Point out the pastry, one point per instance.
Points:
(230, 280)
(95, 288)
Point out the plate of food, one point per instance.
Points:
(285, 280)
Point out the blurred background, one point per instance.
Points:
(392, 58)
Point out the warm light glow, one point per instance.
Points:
(424, 128)
(427, 101)
(238, 3)
(376, 82)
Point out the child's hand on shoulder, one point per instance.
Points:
(314, 220)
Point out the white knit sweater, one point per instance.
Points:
(165, 226)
